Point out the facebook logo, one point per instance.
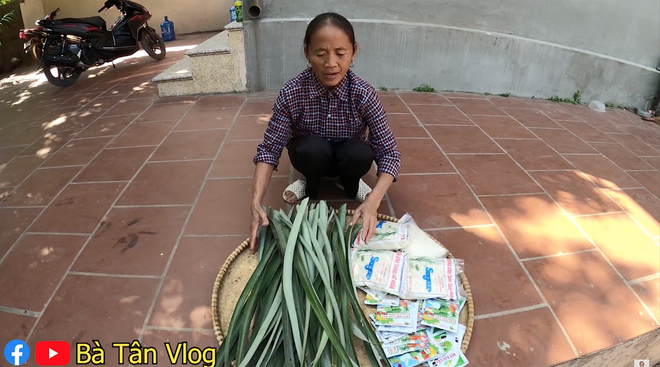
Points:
(16, 352)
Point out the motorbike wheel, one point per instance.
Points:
(36, 50)
(66, 75)
(152, 42)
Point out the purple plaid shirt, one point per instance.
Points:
(304, 107)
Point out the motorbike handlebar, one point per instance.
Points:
(102, 9)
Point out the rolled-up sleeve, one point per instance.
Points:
(381, 138)
(277, 133)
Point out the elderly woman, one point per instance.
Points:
(322, 116)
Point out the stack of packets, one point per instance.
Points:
(418, 299)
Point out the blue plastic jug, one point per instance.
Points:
(167, 29)
(232, 13)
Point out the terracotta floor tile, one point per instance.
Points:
(162, 112)
(203, 340)
(459, 95)
(220, 101)
(50, 143)
(138, 134)
(107, 126)
(509, 102)
(511, 289)
(641, 205)
(115, 165)
(463, 139)
(190, 145)
(564, 141)
(249, 127)
(26, 137)
(534, 155)
(78, 208)
(41, 187)
(653, 161)
(532, 118)
(624, 243)
(586, 132)
(477, 107)
(422, 98)
(77, 152)
(602, 171)
(18, 169)
(183, 300)
(621, 156)
(406, 126)
(7, 154)
(535, 226)
(649, 292)
(557, 112)
(394, 104)
(648, 179)
(143, 91)
(635, 145)
(440, 115)
(257, 106)
(76, 315)
(584, 291)
(490, 174)
(235, 194)
(129, 107)
(528, 339)
(575, 193)
(13, 223)
(166, 183)
(79, 100)
(437, 201)
(104, 103)
(14, 327)
(77, 120)
(208, 119)
(177, 99)
(34, 268)
(134, 241)
(422, 156)
(235, 160)
(502, 127)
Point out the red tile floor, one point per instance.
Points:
(118, 208)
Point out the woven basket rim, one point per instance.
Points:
(215, 315)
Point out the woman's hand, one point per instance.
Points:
(259, 219)
(368, 211)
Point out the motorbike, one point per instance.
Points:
(34, 39)
(73, 45)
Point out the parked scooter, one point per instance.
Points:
(74, 45)
(34, 41)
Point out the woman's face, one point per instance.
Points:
(330, 52)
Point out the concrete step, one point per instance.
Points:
(182, 70)
(216, 65)
(216, 45)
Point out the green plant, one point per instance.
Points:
(505, 95)
(577, 97)
(609, 105)
(6, 20)
(488, 94)
(424, 88)
(300, 307)
(384, 89)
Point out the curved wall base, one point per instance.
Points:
(401, 55)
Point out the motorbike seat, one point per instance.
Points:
(95, 21)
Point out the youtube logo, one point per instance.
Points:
(52, 353)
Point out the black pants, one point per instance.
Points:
(315, 158)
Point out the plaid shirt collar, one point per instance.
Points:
(316, 89)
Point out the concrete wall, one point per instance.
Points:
(31, 11)
(188, 16)
(607, 49)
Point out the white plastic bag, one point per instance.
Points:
(427, 277)
(421, 243)
(388, 236)
(379, 270)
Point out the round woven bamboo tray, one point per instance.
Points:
(239, 266)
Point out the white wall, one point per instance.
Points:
(32, 10)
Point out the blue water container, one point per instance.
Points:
(232, 13)
(167, 30)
